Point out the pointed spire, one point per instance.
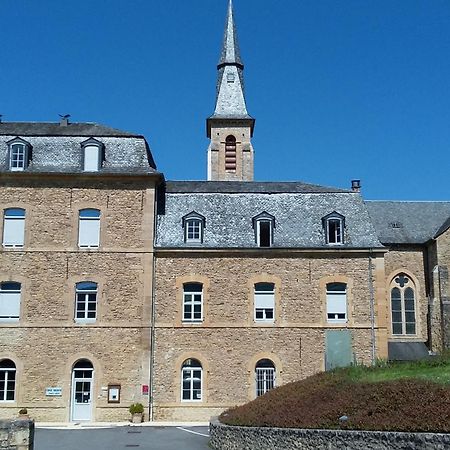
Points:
(230, 49)
(230, 98)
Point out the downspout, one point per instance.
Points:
(153, 315)
(372, 309)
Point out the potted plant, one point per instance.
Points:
(137, 412)
(23, 413)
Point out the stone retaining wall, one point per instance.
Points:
(224, 437)
(16, 434)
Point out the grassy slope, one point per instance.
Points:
(403, 397)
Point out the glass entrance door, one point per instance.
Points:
(82, 389)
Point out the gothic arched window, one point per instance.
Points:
(403, 305)
(230, 154)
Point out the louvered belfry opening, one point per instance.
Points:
(230, 154)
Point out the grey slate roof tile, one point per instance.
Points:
(228, 212)
(56, 149)
(400, 222)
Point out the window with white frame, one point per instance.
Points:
(191, 381)
(265, 376)
(192, 302)
(92, 155)
(264, 302)
(334, 228)
(89, 228)
(13, 227)
(193, 224)
(337, 302)
(19, 154)
(7, 381)
(264, 224)
(10, 301)
(403, 306)
(86, 301)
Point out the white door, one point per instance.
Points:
(81, 399)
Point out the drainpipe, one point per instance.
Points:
(153, 314)
(372, 309)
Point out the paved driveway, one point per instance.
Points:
(123, 438)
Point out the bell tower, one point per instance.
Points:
(230, 128)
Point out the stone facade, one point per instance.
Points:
(16, 434)
(47, 341)
(229, 343)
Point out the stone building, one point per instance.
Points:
(193, 296)
(75, 270)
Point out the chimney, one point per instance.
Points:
(64, 121)
(356, 185)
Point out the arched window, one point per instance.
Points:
(264, 302)
(192, 302)
(93, 155)
(337, 302)
(13, 227)
(89, 228)
(191, 380)
(7, 381)
(19, 154)
(193, 224)
(230, 154)
(86, 301)
(265, 376)
(10, 301)
(334, 224)
(403, 305)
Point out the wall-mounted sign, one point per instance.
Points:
(114, 393)
(145, 389)
(53, 392)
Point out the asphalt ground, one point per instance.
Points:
(123, 438)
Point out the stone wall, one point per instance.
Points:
(225, 437)
(443, 257)
(229, 343)
(16, 434)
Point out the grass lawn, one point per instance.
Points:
(397, 396)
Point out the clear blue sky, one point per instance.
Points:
(339, 89)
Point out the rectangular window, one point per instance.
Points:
(13, 227)
(86, 301)
(265, 380)
(336, 302)
(264, 302)
(18, 157)
(89, 228)
(193, 302)
(7, 384)
(91, 158)
(9, 301)
(334, 231)
(193, 230)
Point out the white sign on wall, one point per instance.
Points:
(53, 392)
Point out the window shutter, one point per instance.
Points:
(91, 158)
(9, 305)
(337, 303)
(264, 301)
(13, 231)
(89, 233)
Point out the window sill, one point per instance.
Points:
(191, 401)
(192, 322)
(85, 321)
(9, 320)
(12, 247)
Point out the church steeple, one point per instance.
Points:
(230, 154)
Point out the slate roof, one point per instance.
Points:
(57, 149)
(228, 208)
(400, 222)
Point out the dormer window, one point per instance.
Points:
(264, 224)
(193, 224)
(334, 228)
(93, 155)
(19, 154)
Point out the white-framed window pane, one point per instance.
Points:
(18, 156)
(89, 228)
(14, 227)
(10, 301)
(336, 302)
(264, 302)
(193, 230)
(191, 382)
(264, 233)
(7, 381)
(86, 301)
(193, 302)
(334, 231)
(91, 158)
